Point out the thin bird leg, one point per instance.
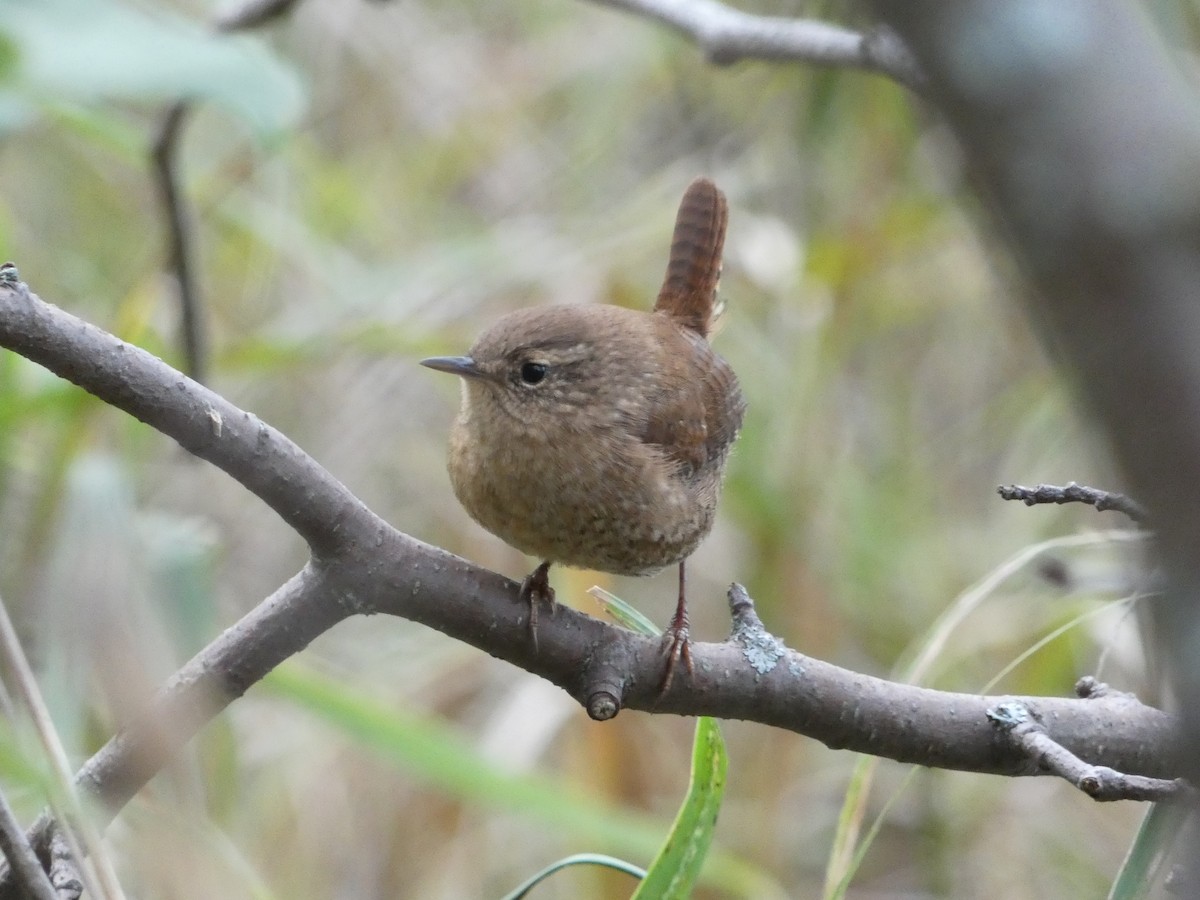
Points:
(676, 642)
(534, 590)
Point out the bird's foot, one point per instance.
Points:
(677, 646)
(536, 589)
(676, 642)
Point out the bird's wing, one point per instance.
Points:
(697, 415)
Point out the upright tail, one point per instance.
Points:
(689, 290)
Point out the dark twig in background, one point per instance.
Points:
(179, 244)
(727, 35)
(1074, 493)
(165, 155)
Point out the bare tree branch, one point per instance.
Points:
(361, 565)
(64, 868)
(266, 463)
(727, 35)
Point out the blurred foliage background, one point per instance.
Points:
(372, 183)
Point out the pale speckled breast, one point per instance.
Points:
(539, 495)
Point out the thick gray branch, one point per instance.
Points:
(363, 566)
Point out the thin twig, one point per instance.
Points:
(727, 35)
(102, 883)
(1015, 720)
(20, 855)
(1075, 493)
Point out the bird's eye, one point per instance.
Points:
(533, 372)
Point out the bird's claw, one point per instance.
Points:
(677, 646)
(535, 589)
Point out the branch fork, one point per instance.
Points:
(362, 565)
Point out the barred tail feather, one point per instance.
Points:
(689, 290)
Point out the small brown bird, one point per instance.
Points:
(596, 436)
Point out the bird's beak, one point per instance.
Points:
(455, 365)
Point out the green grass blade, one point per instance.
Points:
(845, 849)
(437, 755)
(845, 854)
(674, 871)
(579, 859)
(1143, 866)
(624, 614)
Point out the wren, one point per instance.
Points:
(596, 436)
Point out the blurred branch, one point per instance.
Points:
(727, 35)
(64, 868)
(1087, 158)
(252, 14)
(1074, 493)
(179, 252)
(361, 565)
(79, 833)
(1083, 137)
(27, 869)
(165, 155)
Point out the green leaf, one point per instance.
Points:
(9, 54)
(180, 557)
(89, 51)
(675, 870)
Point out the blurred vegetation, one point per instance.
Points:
(371, 183)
